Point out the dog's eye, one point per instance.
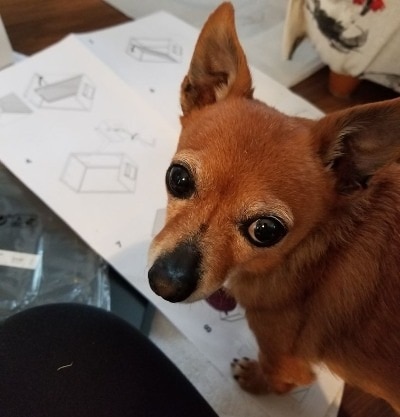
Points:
(179, 181)
(265, 231)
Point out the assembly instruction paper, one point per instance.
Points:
(94, 146)
(260, 25)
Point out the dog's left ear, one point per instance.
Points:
(355, 143)
(219, 67)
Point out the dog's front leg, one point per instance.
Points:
(278, 376)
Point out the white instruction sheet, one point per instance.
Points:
(260, 25)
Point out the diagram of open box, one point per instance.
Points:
(61, 92)
(100, 173)
(154, 50)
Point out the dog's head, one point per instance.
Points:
(248, 183)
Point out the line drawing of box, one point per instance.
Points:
(155, 50)
(100, 173)
(116, 132)
(12, 108)
(61, 93)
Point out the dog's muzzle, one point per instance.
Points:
(175, 275)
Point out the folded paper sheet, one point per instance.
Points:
(260, 25)
(93, 141)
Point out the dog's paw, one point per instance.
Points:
(249, 375)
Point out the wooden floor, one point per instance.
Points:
(315, 90)
(34, 24)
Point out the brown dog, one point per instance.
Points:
(298, 219)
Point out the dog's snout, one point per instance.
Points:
(174, 275)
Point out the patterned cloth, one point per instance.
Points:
(353, 37)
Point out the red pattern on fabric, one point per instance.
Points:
(375, 4)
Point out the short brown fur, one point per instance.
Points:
(329, 291)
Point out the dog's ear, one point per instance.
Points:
(219, 67)
(355, 143)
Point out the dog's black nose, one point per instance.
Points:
(174, 275)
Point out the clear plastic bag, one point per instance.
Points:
(41, 259)
(21, 250)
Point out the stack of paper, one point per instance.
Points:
(90, 125)
(260, 26)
